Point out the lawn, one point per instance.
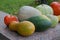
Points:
(12, 6)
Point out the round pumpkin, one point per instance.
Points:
(45, 9)
(54, 20)
(56, 8)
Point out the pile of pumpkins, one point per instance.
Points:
(32, 20)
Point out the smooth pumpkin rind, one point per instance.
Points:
(41, 23)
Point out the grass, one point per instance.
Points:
(12, 6)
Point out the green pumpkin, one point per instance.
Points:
(54, 20)
(41, 22)
(45, 9)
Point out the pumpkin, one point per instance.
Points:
(45, 9)
(56, 8)
(54, 20)
(27, 12)
(42, 22)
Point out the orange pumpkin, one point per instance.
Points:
(56, 8)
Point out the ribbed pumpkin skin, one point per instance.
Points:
(54, 20)
(45, 9)
(41, 23)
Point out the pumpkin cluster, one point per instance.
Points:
(30, 19)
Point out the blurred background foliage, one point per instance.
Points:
(12, 6)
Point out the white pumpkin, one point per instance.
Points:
(26, 12)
